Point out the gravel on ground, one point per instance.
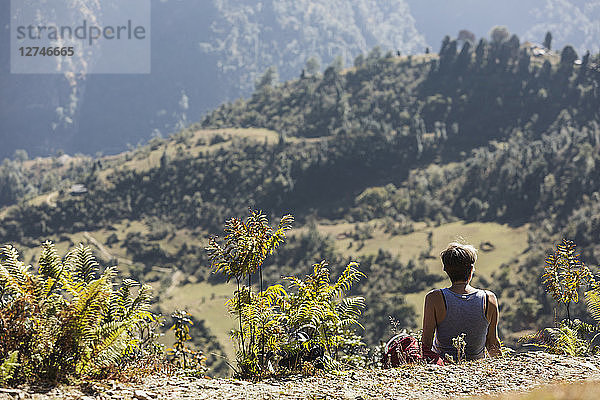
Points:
(517, 373)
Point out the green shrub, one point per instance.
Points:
(312, 322)
(67, 320)
(191, 361)
(592, 298)
(284, 330)
(321, 308)
(564, 274)
(8, 367)
(569, 338)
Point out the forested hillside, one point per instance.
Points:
(485, 133)
(203, 53)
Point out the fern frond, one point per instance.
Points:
(8, 367)
(274, 294)
(351, 307)
(50, 264)
(567, 339)
(348, 322)
(140, 307)
(15, 277)
(278, 237)
(82, 263)
(296, 282)
(592, 298)
(11, 284)
(109, 342)
(349, 277)
(89, 306)
(120, 301)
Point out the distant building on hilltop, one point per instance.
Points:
(63, 159)
(535, 49)
(78, 189)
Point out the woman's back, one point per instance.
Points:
(465, 313)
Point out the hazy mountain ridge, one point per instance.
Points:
(252, 37)
(203, 53)
(571, 22)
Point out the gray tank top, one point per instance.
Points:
(464, 314)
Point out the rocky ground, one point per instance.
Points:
(518, 373)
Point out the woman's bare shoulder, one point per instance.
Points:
(491, 297)
(434, 296)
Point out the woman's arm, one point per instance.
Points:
(492, 343)
(429, 319)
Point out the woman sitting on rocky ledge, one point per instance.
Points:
(460, 309)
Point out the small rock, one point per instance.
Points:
(15, 392)
(352, 395)
(141, 395)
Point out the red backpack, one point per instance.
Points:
(402, 349)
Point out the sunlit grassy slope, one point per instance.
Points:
(193, 144)
(207, 302)
(507, 243)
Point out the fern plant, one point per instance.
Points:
(592, 298)
(569, 338)
(313, 319)
(321, 310)
(8, 367)
(262, 318)
(66, 318)
(278, 328)
(564, 274)
(245, 247)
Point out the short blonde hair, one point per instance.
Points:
(458, 260)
